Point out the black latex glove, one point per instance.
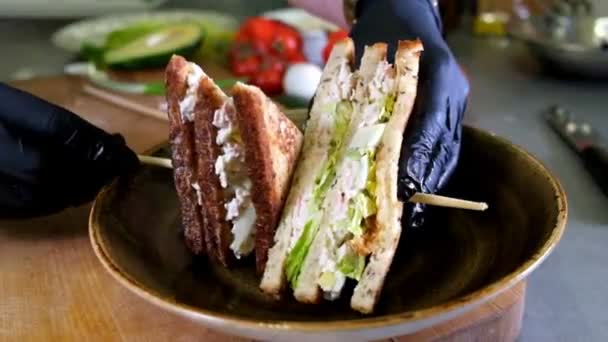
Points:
(431, 142)
(50, 158)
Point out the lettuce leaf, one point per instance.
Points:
(352, 265)
(342, 113)
(296, 256)
(365, 205)
(327, 280)
(387, 109)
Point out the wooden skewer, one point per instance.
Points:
(125, 103)
(443, 201)
(156, 161)
(430, 199)
(295, 115)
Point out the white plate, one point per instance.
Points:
(95, 30)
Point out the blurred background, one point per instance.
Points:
(29, 25)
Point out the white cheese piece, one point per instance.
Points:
(186, 105)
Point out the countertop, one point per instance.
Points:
(566, 297)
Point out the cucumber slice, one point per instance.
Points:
(154, 49)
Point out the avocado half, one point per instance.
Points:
(154, 49)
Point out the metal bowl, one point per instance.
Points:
(573, 45)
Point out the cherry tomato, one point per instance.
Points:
(262, 48)
(332, 39)
(259, 31)
(270, 76)
(246, 66)
(287, 42)
(243, 59)
(297, 58)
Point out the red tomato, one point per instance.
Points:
(332, 39)
(246, 66)
(259, 31)
(270, 76)
(287, 42)
(243, 58)
(298, 58)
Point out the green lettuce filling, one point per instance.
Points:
(352, 265)
(327, 280)
(342, 113)
(387, 109)
(299, 251)
(360, 207)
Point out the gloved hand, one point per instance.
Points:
(431, 142)
(50, 158)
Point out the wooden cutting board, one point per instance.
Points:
(53, 288)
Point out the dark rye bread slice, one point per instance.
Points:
(181, 139)
(272, 146)
(218, 230)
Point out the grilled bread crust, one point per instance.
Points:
(217, 231)
(183, 155)
(272, 146)
(388, 217)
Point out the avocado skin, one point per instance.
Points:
(159, 60)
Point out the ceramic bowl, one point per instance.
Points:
(458, 261)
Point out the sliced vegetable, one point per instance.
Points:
(387, 109)
(328, 174)
(327, 280)
(154, 49)
(365, 205)
(352, 265)
(300, 250)
(121, 37)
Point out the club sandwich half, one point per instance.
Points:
(342, 218)
(233, 158)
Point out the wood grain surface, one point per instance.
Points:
(52, 288)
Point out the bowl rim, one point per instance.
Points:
(463, 303)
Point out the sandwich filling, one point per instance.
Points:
(231, 170)
(351, 216)
(336, 115)
(345, 190)
(186, 105)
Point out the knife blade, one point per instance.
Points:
(584, 140)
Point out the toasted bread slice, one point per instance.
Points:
(373, 67)
(183, 152)
(319, 131)
(232, 165)
(272, 145)
(217, 231)
(388, 217)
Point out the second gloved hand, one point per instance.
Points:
(50, 158)
(431, 144)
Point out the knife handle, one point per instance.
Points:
(596, 161)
